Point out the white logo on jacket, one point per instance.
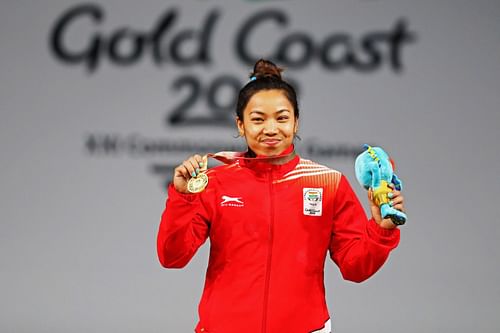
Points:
(228, 201)
(313, 201)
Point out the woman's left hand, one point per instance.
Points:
(397, 202)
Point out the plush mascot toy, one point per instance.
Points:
(374, 169)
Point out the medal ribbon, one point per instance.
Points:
(197, 184)
(229, 157)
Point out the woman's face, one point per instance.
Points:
(268, 124)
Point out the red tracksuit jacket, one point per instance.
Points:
(270, 227)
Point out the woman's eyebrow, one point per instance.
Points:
(282, 110)
(257, 111)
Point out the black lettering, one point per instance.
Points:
(178, 114)
(104, 144)
(221, 95)
(341, 42)
(164, 23)
(90, 54)
(201, 38)
(191, 46)
(369, 46)
(284, 50)
(221, 110)
(136, 42)
(206, 35)
(397, 39)
(243, 35)
(175, 48)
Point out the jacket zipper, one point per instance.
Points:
(269, 253)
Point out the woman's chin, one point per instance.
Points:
(269, 150)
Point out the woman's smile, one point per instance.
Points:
(271, 142)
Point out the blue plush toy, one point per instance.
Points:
(374, 169)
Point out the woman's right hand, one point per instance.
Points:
(188, 169)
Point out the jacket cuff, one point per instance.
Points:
(387, 237)
(173, 194)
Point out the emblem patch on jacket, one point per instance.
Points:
(313, 201)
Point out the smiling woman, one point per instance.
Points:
(271, 217)
(269, 124)
(267, 113)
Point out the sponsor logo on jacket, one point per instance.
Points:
(228, 201)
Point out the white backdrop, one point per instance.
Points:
(89, 135)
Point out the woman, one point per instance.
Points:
(271, 217)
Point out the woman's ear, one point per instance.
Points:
(241, 128)
(296, 126)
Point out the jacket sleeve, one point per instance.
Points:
(184, 227)
(358, 246)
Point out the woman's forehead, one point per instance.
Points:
(269, 99)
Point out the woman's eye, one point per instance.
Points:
(283, 118)
(257, 119)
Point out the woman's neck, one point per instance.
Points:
(285, 156)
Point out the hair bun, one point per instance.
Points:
(266, 69)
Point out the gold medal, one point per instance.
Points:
(197, 184)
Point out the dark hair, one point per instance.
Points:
(265, 76)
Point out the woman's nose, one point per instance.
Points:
(270, 127)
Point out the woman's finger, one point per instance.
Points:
(195, 165)
(397, 200)
(393, 194)
(397, 203)
(204, 162)
(198, 161)
(370, 194)
(399, 207)
(190, 168)
(181, 171)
